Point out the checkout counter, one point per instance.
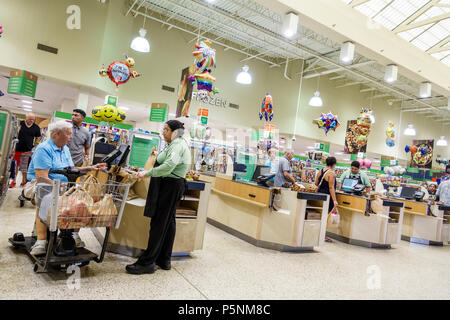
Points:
(132, 236)
(360, 225)
(426, 223)
(272, 218)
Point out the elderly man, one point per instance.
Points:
(80, 144)
(284, 172)
(53, 154)
(27, 133)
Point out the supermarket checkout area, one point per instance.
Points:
(425, 221)
(268, 217)
(381, 221)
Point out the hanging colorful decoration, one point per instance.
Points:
(327, 122)
(205, 61)
(421, 153)
(390, 135)
(119, 72)
(1, 93)
(442, 161)
(395, 170)
(108, 113)
(266, 108)
(1, 30)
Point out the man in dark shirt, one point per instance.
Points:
(27, 133)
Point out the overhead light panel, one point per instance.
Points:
(441, 142)
(290, 25)
(425, 90)
(244, 77)
(347, 52)
(409, 131)
(316, 100)
(141, 44)
(26, 101)
(391, 73)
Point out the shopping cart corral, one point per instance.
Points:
(65, 206)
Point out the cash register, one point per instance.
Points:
(262, 175)
(352, 186)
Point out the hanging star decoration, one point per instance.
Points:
(327, 122)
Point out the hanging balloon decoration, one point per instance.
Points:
(205, 61)
(390, 135)
(1, 93)
(266, 108)
(421, 154)
(366, 163)
(442, 161)
(327, 122)
(1, 30)
(108, 113)
(120, 72)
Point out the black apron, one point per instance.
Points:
(153, 194)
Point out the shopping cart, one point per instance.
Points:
(65, 206)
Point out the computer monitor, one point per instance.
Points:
(386, 186)
(120, 160)
(349, 184)
(260, 171)
(408, 192)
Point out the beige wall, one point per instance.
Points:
(106, 34)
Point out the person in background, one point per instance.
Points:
(432, 189)
(284, 171)
(326, 183)
(167, 186)
(272, 162)
(53, 154)
(28, 132)
(443, 192)
(355, 173)
(80, 144)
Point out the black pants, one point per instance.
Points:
(162, 225)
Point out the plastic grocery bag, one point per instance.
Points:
(333, 217)
(74, 209)
(377, 205)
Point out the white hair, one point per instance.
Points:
(59, 125)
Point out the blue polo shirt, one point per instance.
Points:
(49, 157)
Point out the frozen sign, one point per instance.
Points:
(203, 97)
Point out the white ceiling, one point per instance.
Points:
(423, 23)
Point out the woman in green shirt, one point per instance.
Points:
(167, 186)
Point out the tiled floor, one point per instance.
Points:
(229, 268)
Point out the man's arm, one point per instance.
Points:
(366, 181)
(345, 175)
(288, 176)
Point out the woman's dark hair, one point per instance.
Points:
(330, 161)
(355, 164)
(175, 124)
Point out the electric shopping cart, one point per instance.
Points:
(65, 206)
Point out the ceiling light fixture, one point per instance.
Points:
(141, 44)
(244, 77)
(316, 100)
(124, 108)
(26, 101)
(290, 25)
(425, 90)
(391, 73)
(410, 131)
(441, 142)
(347, 52)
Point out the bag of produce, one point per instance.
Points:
(74, 209)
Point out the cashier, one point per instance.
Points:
(357, 174)
(284, 172)
(167, 186)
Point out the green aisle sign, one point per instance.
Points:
(325, 147)
(141, 149)
(23, 83)
(159, 112)
(204, 120)
(3, 118)
(112, 100)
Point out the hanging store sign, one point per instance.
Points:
(23, 83)
(159, 112)
(219, 102)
